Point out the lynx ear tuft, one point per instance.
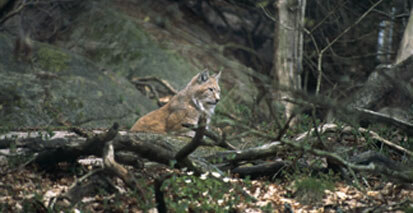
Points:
(203, 76)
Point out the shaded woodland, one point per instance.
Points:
(316, 112)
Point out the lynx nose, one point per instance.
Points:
(217, 100)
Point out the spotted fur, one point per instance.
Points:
(200, 95)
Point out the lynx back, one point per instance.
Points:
(201, 95)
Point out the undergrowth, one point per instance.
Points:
(207, 193)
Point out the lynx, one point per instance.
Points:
(200, 96)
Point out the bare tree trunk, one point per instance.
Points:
(406, 46)
(288, 40)
(385, 39)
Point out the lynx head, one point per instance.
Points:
(205, 91)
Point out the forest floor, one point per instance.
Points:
(30, 189)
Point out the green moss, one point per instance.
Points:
(114, 39)
(52, 60)
(201, 194)
(408, 210)
(119, 43)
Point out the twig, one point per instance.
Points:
(327, 16)
(320, 55)
(75, 192)
(376, 136)
(285, 128)
(20, 166)
(25, 4)
(84, 177)
(356, 180)
(267, 13)
(219, 141)
(13, 13)
(402, 175)
(223, 143)
(313, 118)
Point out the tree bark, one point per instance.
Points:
(163, 148)
(288, 40)
(406, 46)
(261, 170)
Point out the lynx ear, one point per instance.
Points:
(203, 76)
(217, 76)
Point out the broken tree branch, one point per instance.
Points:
(219, 140)
(196, 141)
(371, 167)
(348, 129)
(70, 152)
(161, 81)
(265, 169)
(118, 170)
(383, 118)
(255, 153)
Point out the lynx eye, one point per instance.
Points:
(211, 89)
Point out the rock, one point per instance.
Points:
(59, 87)
(120, 36)
(83, 78)
(115, 41)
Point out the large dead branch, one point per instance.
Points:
(118, 170)
(163, 149)
(254, 153)
(347, 129)
(64, 147)
(218, 140)
(373, 116)
(265, 169)
(352, 112)
(372, 167)
(155, 148)
(70, 152)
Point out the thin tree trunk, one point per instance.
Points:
(406, 46)
(288, 40)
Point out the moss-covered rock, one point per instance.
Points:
(115, 41)
(84, 80)
(59, 87)
(132, 47)
(52, 59)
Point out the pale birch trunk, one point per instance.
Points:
(288, 40)
(406, 45)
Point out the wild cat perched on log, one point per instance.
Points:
(201, 95)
